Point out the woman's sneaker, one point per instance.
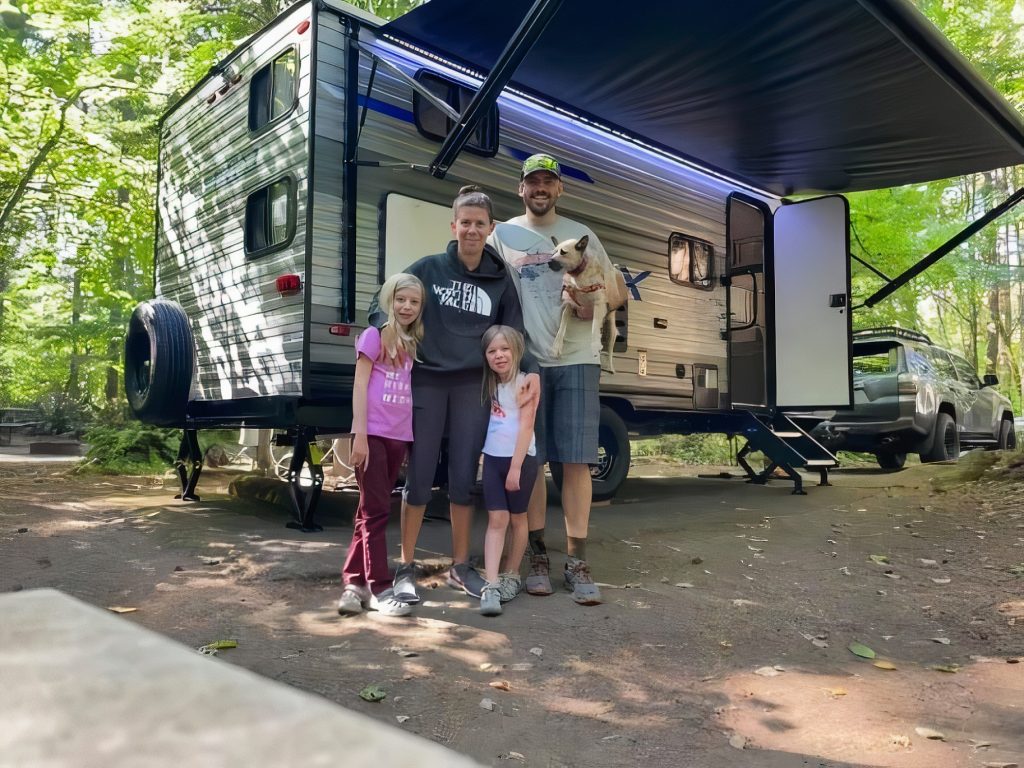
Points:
(386, 604)
(353, 599)
(405, 584)
(464, 576)
(509, 585)
(579, 581)
(490, 600)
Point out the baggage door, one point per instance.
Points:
(811, 301)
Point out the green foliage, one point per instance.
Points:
(119, 445)
(688, 449)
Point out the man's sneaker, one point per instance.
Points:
(405, 584)
(537, 580)
(579, 581)
(509, 585)
(353, 599)
(386, 604)
(490, 600)
(463, 576)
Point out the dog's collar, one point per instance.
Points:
(579, 270)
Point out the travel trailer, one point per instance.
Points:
(322, 155)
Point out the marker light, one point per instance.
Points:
(289, 285)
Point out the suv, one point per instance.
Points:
(910, 396)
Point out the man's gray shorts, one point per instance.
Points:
(569, 415)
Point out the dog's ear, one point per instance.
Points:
(554, 240)
(581, 244)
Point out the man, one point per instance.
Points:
(567, 422)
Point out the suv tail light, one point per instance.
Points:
(906, 386)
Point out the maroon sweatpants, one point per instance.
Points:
(367, 561)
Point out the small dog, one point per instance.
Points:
(585, 283)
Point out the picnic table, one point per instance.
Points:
(14, 419)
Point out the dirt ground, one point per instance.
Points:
(724, 639)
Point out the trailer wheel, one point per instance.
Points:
(159, 358)
(613, 457)
(945, 443)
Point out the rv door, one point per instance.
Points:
(812, 304)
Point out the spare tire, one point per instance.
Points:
(159, 360)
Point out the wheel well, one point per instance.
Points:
(622, 407)
(948, 409)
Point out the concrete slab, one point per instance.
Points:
(83, 687)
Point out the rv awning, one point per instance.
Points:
(790, 96)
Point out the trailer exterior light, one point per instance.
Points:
(340, 329)
(289, 285)
(302, 27)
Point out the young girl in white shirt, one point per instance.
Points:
(510, 464)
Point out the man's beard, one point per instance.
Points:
(540, 206)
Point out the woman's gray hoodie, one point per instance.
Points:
(460, 305)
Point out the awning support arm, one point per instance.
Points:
(422, 90)
(881, 274)
(900, 280)
(519, 45)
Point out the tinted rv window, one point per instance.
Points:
(270, 218)
(691, 261)
(436, 125)
(273, 90)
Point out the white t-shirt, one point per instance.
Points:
(503, 427)
(528, 249)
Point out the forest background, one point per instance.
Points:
(84, 82)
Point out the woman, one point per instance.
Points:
(468, 289)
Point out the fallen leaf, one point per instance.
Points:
(737, 741)
(402, 718)
(1000, 765)
(485, 666)
(950, 668)
(217, 645)
(893, 576)
(845, 570)
(725, 644)
(942, 640)
(121, 609)
(941, 581)
(930, 733)
(523, 666)
(501, 685)
(739, 602)
(859, 649)
(927, 563)
(882, 664)
(835, 693)
(373, 692)
(880, 559)
(818, 643)
(537, 652)
(685, 585)
(767, 672)
(514, 756)
(487, 704)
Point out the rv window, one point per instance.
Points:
(691, 261)
(273, 90)
(436, 125)
(270, 218)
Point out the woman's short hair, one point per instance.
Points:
(473, 196)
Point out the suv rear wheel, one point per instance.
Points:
(1007, 437)
(945, 443)
(891, 459)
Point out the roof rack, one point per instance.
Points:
(892, 330)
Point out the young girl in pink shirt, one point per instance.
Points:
(381, 433)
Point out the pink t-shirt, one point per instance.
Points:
(389, 393)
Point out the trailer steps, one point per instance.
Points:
(787, 448)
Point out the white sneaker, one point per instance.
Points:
(353, 599)
(490, 600)
(386, 604)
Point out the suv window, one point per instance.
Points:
(965, 371)
(918, 361)
(875, 358)
(940, 358)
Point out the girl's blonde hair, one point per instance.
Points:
(518, 345)
(397, 343)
